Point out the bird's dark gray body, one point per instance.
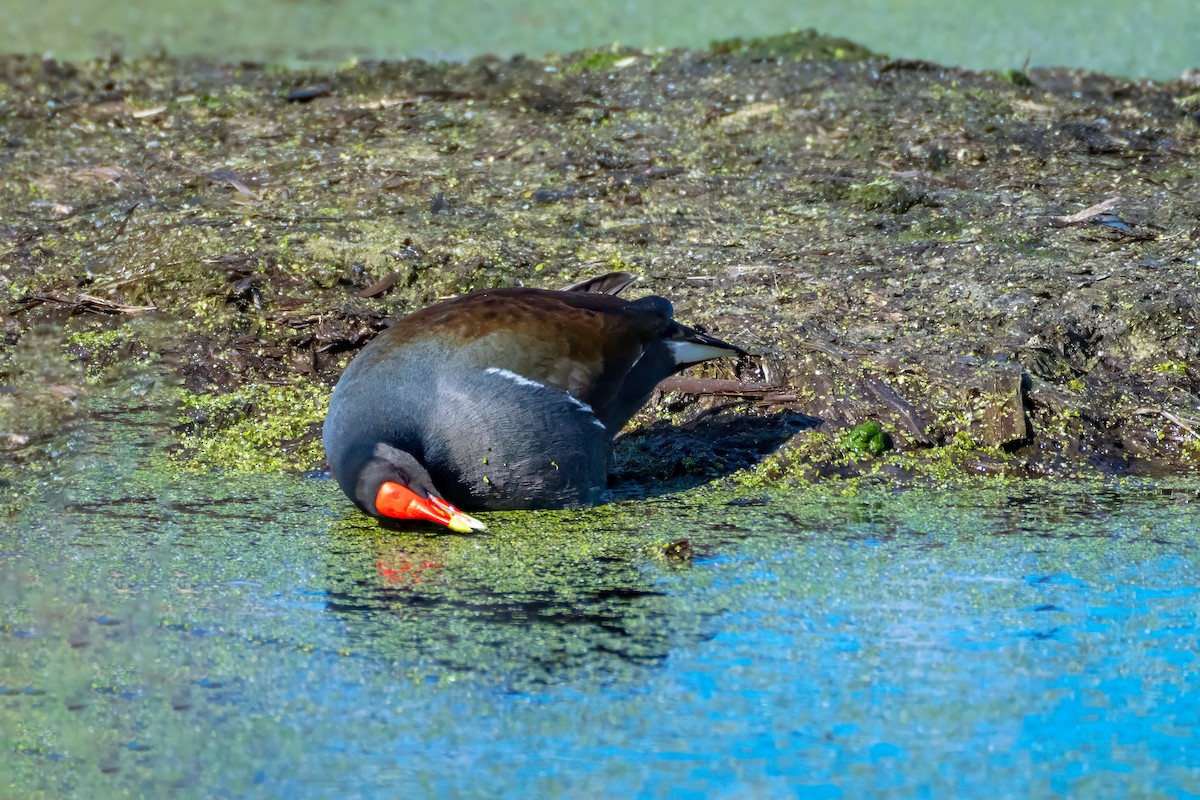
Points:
(507, 398)
(488, 440)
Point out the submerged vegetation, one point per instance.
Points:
(1000, 271)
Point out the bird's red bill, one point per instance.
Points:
(397, 501)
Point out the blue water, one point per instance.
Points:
(202, 635)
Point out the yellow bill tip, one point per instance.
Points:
(464, 523)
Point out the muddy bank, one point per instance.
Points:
(1002, 271)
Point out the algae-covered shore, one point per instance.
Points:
(1002, 270)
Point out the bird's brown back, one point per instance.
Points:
(580, 342)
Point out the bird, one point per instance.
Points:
(502, 399)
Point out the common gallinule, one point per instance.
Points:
(501, 399)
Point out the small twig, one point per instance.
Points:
(380, 286)
(86, 302)
(1186, 424)
(1087, 213)
(777, 399)
(124, 223)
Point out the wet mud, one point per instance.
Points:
(994, 273)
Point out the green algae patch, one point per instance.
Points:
(255, 428)
(867, 438)
(815, 459)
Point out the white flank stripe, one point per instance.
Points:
(585, 408)
(521, 380)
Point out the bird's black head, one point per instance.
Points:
(388, 482)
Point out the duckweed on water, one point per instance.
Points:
(219, 635)
(256, 428)
(235, 637)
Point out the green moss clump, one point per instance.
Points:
(255, 428)
(883, 195)
(1189, 103)
(1017, 77)
(806, 45)
(867, 438)
(599, 60)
